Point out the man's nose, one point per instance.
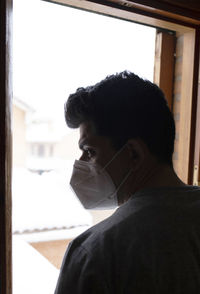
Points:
(83, 157)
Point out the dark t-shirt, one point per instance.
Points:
(151, 244)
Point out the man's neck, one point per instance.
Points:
(157, 175)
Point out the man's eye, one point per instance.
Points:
(90, 153)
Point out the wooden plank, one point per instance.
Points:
(188, 13)
(131, 14)
(182, 7)
(164, 64)
(192, 4)
(5, 146)
(187, 83)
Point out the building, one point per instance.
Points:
(20, 110)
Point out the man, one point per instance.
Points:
(151, 244)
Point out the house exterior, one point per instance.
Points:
(20, 110)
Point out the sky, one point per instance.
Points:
(57, 49)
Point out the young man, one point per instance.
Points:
(151, 244)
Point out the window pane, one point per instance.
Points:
(56, 50)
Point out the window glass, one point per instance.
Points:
(56, 50)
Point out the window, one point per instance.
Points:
(51, 150)
(41, 150)
(163, 18)
(62, 67)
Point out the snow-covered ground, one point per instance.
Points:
(32, 273)
(45, 202)
(44, 208)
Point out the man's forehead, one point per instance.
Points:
(89, 136)
(86, 130)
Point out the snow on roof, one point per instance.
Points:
(49, 235)
(45, 202)
(32, 272)
(22, 104)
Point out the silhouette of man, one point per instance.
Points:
(151, 243)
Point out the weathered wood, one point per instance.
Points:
(128, 13)
(188, 102)
(182, 7)
(164, 63)
(177, 10)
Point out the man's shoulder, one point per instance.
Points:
(96, 233)
(101, 234)
(144, 210)
(111, 229)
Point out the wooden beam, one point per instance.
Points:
(185, 8)
(164, 63)
(187, 107)
(159, 8)
(130, 13)
(5, 146)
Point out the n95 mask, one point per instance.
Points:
(93, 186)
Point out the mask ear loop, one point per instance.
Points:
(114, 156)
(103, 168)
(126, 177)
(121, 184)
(114, 193)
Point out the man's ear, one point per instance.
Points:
(138, 151)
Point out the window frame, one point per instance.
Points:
(5, 147)
(150, 13)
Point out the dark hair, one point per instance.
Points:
(124, 106)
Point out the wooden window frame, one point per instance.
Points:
(196, 166)
(165, 59)
(5, 146)
(153, 13)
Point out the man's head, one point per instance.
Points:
(126, 127)
(124, 107)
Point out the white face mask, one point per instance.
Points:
(93, 185)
